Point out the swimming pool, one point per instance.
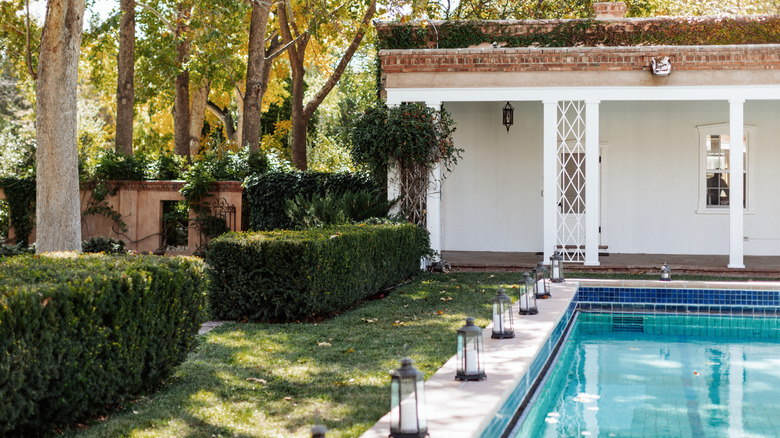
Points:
(662, 375)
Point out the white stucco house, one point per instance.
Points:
(604, 151)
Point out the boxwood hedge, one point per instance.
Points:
(80, 333)
(292, 275)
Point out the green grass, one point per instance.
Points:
(272, 380)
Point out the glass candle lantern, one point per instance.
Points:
(556, 267)
(318, 431)
(407, 402)
(471, 360)
(503, 323)
(541, 282)
(666, 273)
(527, 300)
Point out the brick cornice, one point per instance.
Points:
(530, 59)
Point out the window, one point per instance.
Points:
(715, 179)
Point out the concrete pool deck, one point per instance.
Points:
(464, 409)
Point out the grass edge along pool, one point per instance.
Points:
(646, 296)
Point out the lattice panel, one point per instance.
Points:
(571, 179)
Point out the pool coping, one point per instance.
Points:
(466, 409)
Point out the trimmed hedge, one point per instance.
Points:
(80, 333)
(267, 193)
(291, 275)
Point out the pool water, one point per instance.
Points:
(662, 376)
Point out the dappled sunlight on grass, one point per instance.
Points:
(269, 380)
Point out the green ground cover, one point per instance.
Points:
(272, 380)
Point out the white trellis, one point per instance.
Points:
(570, 181)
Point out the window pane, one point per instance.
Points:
(717, 189)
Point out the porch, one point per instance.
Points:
(755, 266)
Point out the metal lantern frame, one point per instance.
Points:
(503, 321)
(556, 267)
(666, 273)
(527, 300)
(540, 275)
(407, 402)
(508, 116)
(471, 356)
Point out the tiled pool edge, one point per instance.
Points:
(482, 409)
(463, 409)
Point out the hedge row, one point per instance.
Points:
(79, 333)
(292, 275)
(267, 193)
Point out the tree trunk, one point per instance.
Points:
(240, 121)
(253, 96)
(296, 52)
(224, 116)
(181, 103)
(197, 114)
(58, 213)
(125, 93)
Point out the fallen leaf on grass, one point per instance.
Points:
(398, 323)
(323, 344)
(439, 312)
(370, 320)
(256, 380)
(446, 298)
(351, 350)
(288, 398)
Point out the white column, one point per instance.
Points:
(736, 166)
(592, 183)
(433, 208)
(550, 174)
(393, 175)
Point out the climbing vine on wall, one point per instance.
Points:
(585, 32)
(20, 195)
(412, 138)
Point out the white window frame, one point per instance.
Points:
(723, 129)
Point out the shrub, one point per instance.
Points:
(80, 333)
(333, 209)
(14, 250)
(291, 275)
(108, 245)
(267, 194)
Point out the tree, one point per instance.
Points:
(181, 103)
(58, 213)
(296, 51)
(125, 91)
(258, 70)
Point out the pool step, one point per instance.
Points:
(628, 323)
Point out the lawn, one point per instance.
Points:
(272, 380)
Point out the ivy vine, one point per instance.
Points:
(585, 32)
(20, 195)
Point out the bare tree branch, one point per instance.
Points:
(159, 15)
(27, 45)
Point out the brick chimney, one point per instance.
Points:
(609, 10)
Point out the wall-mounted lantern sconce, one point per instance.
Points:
(407, 402)
(666, 273)
(503, 323)
(527, 298)
(508, 116)
(471, 360)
